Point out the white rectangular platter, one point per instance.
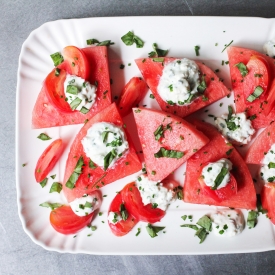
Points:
(177, 34)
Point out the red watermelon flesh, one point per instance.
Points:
(180, 136)
(92, 179)
(261, 145)
(46, 115)
(216, 149)
(152, 72)
(257, 107)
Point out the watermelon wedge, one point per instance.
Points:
(167, 141)
(95, 178)
(152, 72)
(46, 115)
(216, 149)
(261, 111)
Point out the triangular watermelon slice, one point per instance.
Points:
(216, 149)
(90, 178)
(255, 110)
(173, 139)
(152, 72)
(46, 115)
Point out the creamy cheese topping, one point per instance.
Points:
(179, 82)
(267, 171)
(105, 143)
(269, 48)
(85, 205)
(153, 192)
(80, 94)
(211, 171)
(114, 217)
(241, 129)
(227, 223)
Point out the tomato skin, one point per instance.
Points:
(257, 65)
(134, 205)
(122, 227)
(54, 87)
(48, 159)
(268, 200)
(76, 62)
(131, 95)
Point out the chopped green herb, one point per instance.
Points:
(253, 117)
(197, 48)
(57, 72)
(50, 205)
(242, 68)
(158, 59)
(163, 153)
(75, 103)
(271, 165)
(201, 234)
(259, 205)
(138, 232)
(229, 151)
(57, 58)
(192, 226)
(92, 164)
(43, 136)
(109, 158)
(152, 96)
(56, 187)
(84, 110)
(53, 176)
(123, 212)
(92, 41)
(252, 219)
(44, 182)
(157, 52)
(153, 230)
(219, 178)
(24, 164)
(153, 172)
(76, 173)
(256, 94)
(154, 205)
(205, 222)
(227, 45)
(184, 217)
(129, 39)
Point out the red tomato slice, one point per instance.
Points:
(221, 194)
(268, 200)
(258, 75)
(65, 221)
(48, 159)
(122, 227)
(76, 62)
(131, 95)
(133, 203)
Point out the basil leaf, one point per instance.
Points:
(205, 222)
(92, 164)
(53, 176)
(158, 59)
(230, 112)
(271, 165)
(242, 68)
(201, 233)
(157, 52)
(50, 205)
(123, 212)
(88, 204)
(92, 41)
(84, 110)
(104, 135)
(257, 92)
(43, 136)
(219, 178)
(271, 179)
(109, 158)
(190, 98)
(159, 132)
(57, 58)
(56, 187)
(71, 89)
(44, 182)
(129, 39)
(106, 43)
(75, 103)
(202, 87)
(252, 219)
(231, 125)
(153, 230)
(192, 226)
(76, 173)
(163, 153)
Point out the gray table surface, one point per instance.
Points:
(18, 254)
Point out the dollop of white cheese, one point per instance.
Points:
(213, 169)
(179, 82)
(243, 130)
(114, 217)
(105, 142)
(80, 94)
(154, 192)
(269, 48)
(85, 205)
(227, 223)
(267, 172)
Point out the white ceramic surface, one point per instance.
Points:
(179, 35)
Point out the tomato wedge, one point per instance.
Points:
(75, 63)
(131, 95)
(268, 199)
(134, 205)
(48, 159)
(258, 75)
(122, 227)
